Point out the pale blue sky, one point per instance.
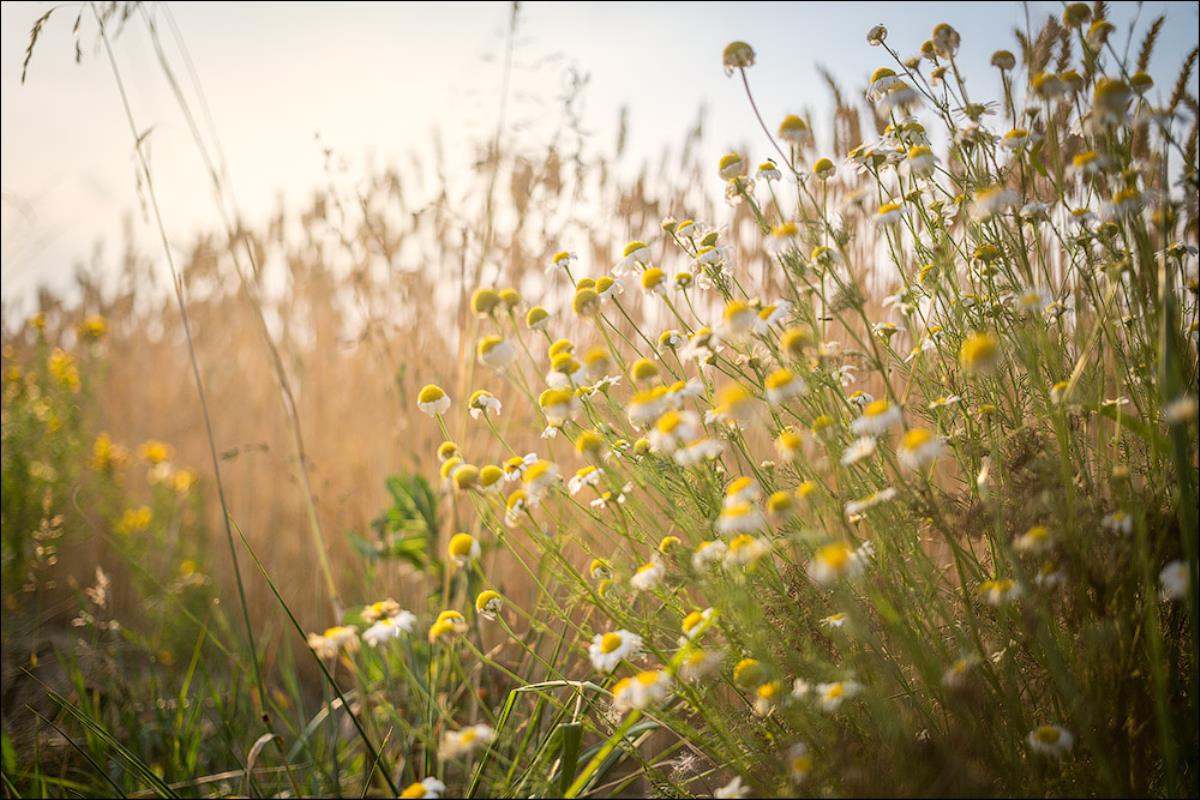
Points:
(377, 79)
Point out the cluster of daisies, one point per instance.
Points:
(662, 425)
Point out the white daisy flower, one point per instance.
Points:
(495, 352)
(433, 400)
(484, 402)
(607, 650)
(456, 744)
(839, 560)
(830, 696)
(919, 447)
(745, 550)
(1118, 522)
(859, 449)
(703, 449)
(1051, 740)
(428, 789)
(1174, 580)
(734, 789)
(708, 553)
(877, 417)
(647, 576)
(643, 690)
(585, 476)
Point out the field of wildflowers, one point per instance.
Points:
(879, 479)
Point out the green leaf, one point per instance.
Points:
(572, 735)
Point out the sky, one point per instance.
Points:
(377, 80)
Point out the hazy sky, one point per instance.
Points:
(376, 80)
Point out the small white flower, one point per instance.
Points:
(607, 650)
(428, 789)
(647, 576)
(466, 741)
(586, 476)
(1118, 522)
(734, 789)
(709, 553)
(830, 696)
(1174, 580)
(642, 690)
(861, 448)
(1051, 740)
(389, 628)
(877, 418)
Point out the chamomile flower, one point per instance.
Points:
(1035, 541)
(1118, 522)
(772, 316)
(389, 628)
(830, 696)
(673, 430)
(734, 405)
(708, 553)
(979, 351)
(858, 450)
(636, 254)
(740, 517)
(838, 560)
(514, 468)
(485, 300)
(646, 406)
(448, 625)
(488, 604)
(537, 318)
(484, 403)
(694, 623)
(992, 201)
(333, 640)
(837, 620)
(647, 688)
(701, 346)
(539, 477)
(877, 418)
(697, 663)
(433, 400)
(738, 320)
(919, 447)
(734, 789)
(748, 673)
(745, 549)
(1015, 139)
(456, 744)
(607, 650)
(584, 476)
(856, 507)
(783, 238)
(463, 549)
(1000, 591)
(897, 97)
(920, 162)
(428, 789)
(1050, 740)
(648, 576)
(955, 676)
(890, 213)
(795, 131)
(767, 696)
(699, 451)
(495, 352)
(789, 444)
(731, 166)
(768, 171)
(1174, 581)
(799, 763)
(563, 260)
